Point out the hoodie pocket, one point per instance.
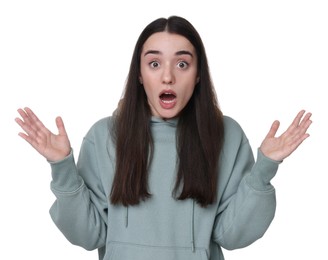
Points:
(121, 251)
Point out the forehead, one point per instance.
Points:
(166, 42)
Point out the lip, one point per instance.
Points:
(168, 91)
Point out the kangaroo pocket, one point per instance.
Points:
(121, 251)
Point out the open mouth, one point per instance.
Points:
(167, 97)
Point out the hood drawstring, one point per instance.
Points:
(192, 226)
(126, 216)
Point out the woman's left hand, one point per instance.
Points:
(278, 148)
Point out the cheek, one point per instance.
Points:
(147, 79)
(188, 93)
(150, 91)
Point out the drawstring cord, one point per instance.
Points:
(192, 226)
(126, 216)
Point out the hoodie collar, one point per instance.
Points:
(158, 120)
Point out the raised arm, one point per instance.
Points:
(278, 148)
(53, 147)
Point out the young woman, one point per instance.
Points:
(167, 176)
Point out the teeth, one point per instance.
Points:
(167, 101)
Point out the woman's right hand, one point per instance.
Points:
(52, 147)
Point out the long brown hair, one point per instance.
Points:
(199, 130)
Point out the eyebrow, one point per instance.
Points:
(178, 53)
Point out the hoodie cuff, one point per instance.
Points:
(263, 171)
(65, 177)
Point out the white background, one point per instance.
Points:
(268, 60)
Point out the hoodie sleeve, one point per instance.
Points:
(80, 208)
(248, 203)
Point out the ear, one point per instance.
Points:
(197, 80)
(140, 80)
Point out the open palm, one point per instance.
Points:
(52, 147)
(278, 148)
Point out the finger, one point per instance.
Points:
(33, 117)
(306, 121)
(298, 125)
(298, 141)
(31, 114)
(297, 119)
(305, 126)
(60, 126)
(299, 134)
(26, 126)
(36, 124)
(27, 119)
(29, 134)
(26, 137)
(302, 126)
(273, 130)
(23, 115)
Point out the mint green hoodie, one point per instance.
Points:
(161, 227)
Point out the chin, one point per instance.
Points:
(168, 115)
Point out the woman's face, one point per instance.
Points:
(168, 73)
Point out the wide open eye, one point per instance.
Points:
(182, 65)
(154, 64)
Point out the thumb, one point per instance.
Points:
(60, 126)
(273, 130)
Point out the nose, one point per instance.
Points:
(168, 76)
